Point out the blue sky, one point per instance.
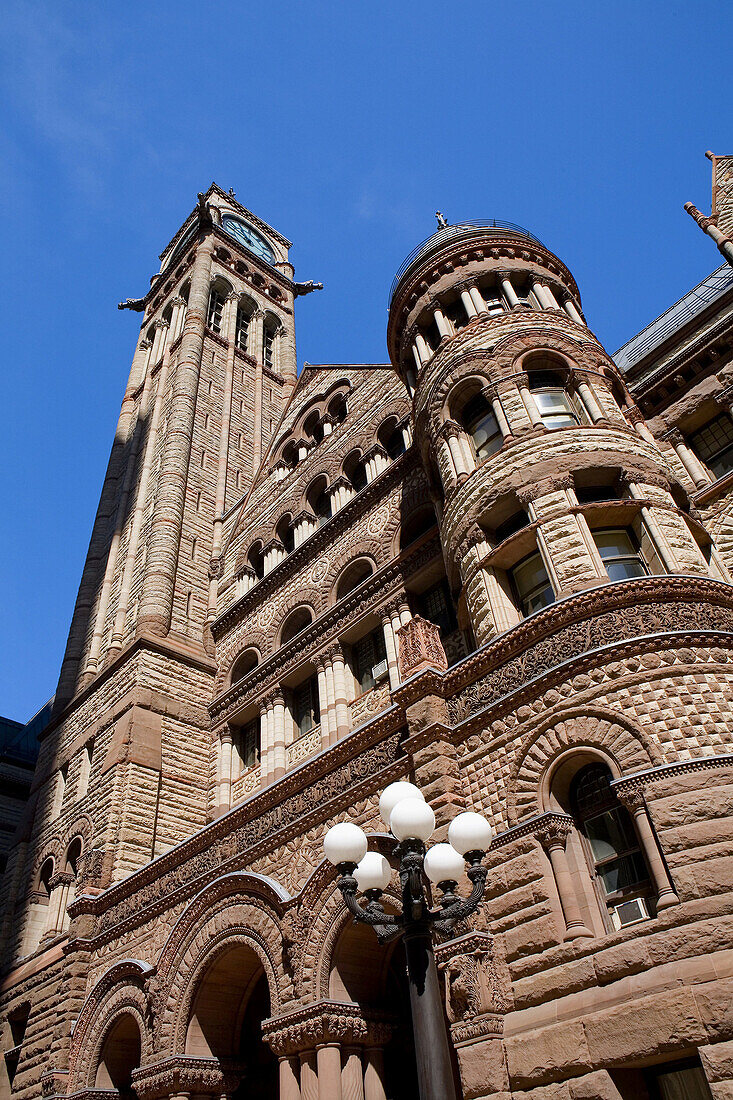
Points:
(345, 125)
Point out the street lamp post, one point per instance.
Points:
(412, 822)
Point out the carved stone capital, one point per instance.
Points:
(325, 1022)
(553, 830)
(472, 986)
(630, 795)
(420, 647)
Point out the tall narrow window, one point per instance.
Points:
(369, 657)
(612, 845)
(59, 790)
(436, 605)
(248, 745)
(620, 554)
(268, 347)
(216, 311)
(305, 706)
(714, 445)
(553, 403)
(241, 336)
(532, 584)
(477, 417)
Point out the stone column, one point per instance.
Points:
(225, 769)
(331, 697)
(406, 435)
(590, 401)
(266, 741)
(451, 433)
(289, 1078)
(468, 304)
(550, 297)
(477, 299)
(500, 415)
(633, 799)
(308, 1075)
(279, 738)
(391, 647)
(416, 357)
(156, 600)
(246, 580)
(341, 699)
(374, 1074)
(423, 348)
(572, 311)
(230, 328)
(506, 285)
(352, 1075)
(529, 402)
(689, 460)
(323, 701)
(328, 1057)
(304, 524)
(539, 293)
(441, 321)
(273, 554)
(256, 329)
(552, 835)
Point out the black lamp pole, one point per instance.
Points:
(415, 924)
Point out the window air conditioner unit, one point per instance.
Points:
(629, 912)
(379, 671)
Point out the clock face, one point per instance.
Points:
(247, 236)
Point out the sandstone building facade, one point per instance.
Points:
(499, 566)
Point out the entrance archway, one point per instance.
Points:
(230, 1003)
(120, 1055)
(374, 976)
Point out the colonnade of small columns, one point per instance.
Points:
(335, 694)
(376, 459)
(565, 542)
(516, 412)
(476, 305)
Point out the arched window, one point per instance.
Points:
(269, 334)
(244, 318)
(319, 500)
(216, 310)
(290, 454)
(313, 426)
(475, 414)
(612, 847)
(392, 438)
(246, 741)
(531, 584)
(295, 624)
(415, 525)
(244, 664)
(120, 1055)
(255, 558)
(553, 402)
(284, 532)
(352, 576)
(337, 408)
(73, 855)
(355, 470)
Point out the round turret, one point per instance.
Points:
(545, 478)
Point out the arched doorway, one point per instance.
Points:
(120, 1055)
(374, 976)
(230, 1003)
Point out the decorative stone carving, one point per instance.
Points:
(326, 1022)
(474, 997)
(420, 647)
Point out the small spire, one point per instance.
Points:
(232, 192)
(442, 223)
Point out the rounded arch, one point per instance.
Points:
(256, 559)
(611, 734)
(221, 285)
(415, 524)
(284, 532)
(392, 437)
(119, 991)
(546, 360)
(73, 854)
(462, 390)
(317, 498)
(244, 663)
(351, 576)
(295, 623)
(120, 1054)
(354, 468)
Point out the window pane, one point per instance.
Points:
(623, 873)
(689, 1083)
(714, 444)
(552, 401)
(624, 568)
(529, 574)
(542, 598)
(610, 833)
(612, 544)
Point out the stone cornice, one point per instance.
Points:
(326, 1022)
(639, 780)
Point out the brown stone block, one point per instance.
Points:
(690, 940)
(548, 1054)
(644, 1027)
(561, 980)
(483, 1068)
(594, 1086)
(715, 1004)
(714, 876)
(717, 1061)
(698, 805)
(625, 958)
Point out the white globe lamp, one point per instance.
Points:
(443, 864)
(345, 843)
(470, 832)
(373, 872)
(395, 793)
(412, 819)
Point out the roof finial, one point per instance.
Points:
(442, 223)
(232, 192)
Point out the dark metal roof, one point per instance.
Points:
(448, 233)
(695, 302)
